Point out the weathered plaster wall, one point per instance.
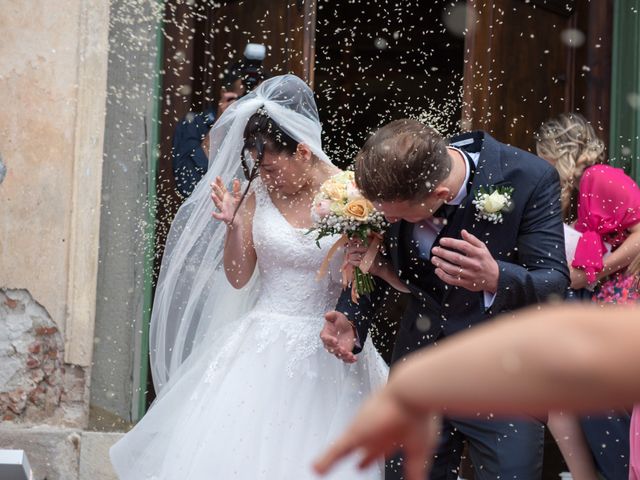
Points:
(38, 93)
(53, 65)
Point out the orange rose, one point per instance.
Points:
(359, 209)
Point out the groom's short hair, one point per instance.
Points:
(404, 160)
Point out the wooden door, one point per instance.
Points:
(200, 40)
(528, 60)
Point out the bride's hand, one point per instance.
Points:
(355, 252)
(225, 201)
(380, 267)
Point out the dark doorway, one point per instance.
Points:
(383, 60)
(380, 61)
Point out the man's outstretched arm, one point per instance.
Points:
(574, 358)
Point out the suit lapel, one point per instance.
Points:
(488, 173)
(403, 254)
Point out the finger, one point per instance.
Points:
(370, 457)
(236, 187)
(460, 245)
(355, 243)
(329, 341)
(472, 239)
(218, 192)
(458, 281)
(341, 353)
(414, 464)
(355, 258)
(218, 216)
(449, 279)
(386, 449)
(220, 184)
(217, 202)
(449, 268)
(338, 451)
(349, 358)
(331, 317)
(453, 257)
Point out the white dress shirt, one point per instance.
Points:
(426, 232)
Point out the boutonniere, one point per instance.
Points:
(492, 202)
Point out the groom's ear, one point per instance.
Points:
(442, 193)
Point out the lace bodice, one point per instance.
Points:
(288, 261)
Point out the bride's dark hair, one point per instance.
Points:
(260, 134)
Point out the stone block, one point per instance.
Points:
(94, 456)
(53, 453)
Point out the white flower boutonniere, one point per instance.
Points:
(491, 203)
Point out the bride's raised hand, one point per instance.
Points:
(225, 201)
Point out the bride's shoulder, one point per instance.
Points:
(330, 172)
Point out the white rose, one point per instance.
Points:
(494, 202)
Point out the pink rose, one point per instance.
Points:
(322, 208)
(352, 192)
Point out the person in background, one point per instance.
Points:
(190, 148)
(603, 204)
(586, 365)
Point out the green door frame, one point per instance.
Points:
(624, 142)
(149, 251)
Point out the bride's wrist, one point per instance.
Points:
(234, 225)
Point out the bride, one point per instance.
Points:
(244, 388)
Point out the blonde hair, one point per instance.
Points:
(570, 143)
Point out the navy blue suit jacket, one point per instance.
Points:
(190, 161)
(528, 246)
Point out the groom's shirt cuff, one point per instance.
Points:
(489, 298)
(358, 343)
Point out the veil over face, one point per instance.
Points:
(193, 298)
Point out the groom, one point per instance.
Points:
(464, 258)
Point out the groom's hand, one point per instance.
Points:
(466, 263)
(338, 336)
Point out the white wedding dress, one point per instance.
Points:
(268, 399)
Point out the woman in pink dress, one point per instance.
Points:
(634, 434)
(603, 204)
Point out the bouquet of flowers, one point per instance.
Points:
(340, 209)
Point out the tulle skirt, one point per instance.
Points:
(267, 403)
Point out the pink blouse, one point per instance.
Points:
(608, 205)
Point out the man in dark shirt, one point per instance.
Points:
(190, 148)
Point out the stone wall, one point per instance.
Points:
(36, 386)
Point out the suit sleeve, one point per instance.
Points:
(542, 269)
(361, 313)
